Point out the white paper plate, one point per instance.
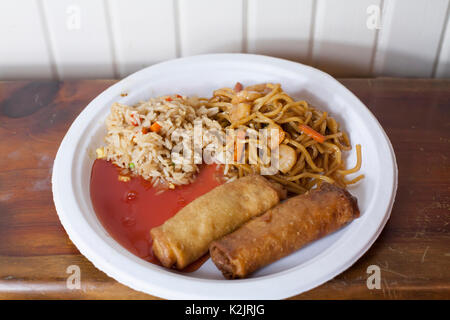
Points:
(200, 75)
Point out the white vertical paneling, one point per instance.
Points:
(343, 43)
(443, 62)
(80, 38)
(409, 37)
(280, 28)
(143, 31)
(23, 49)
(106, 38)
(210, 26)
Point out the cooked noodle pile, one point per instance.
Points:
(311, 142)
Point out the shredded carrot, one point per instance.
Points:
(312, 133)
(155, 127)
(145, 130)
(239, 146)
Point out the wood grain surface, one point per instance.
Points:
(413, 251)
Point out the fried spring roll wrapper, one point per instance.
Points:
(186, 236)
(283, 229)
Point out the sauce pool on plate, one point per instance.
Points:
(128, 210)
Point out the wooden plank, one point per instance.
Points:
(80, 38)
(34, 117)
(210, 26)
(28, 282)
(412, 250)
(409, 37)
(143, 32)
(23, 52)
(343, 43)
(280, 28)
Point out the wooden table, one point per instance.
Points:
(413, 251)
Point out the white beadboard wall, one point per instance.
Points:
(69, 39)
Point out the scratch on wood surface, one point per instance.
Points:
(395, 272)
(395, 250)
(424, 254)
(418, 233)
(44, 160)
(391, 293)
(385, 267)
(39, 139)
(13, 132)
(16, 154)
(5, 196)
(388, 290)
(36, 98)
(43, 184)
(434, 205)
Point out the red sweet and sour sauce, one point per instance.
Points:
(128, 210)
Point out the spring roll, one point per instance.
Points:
(186, 236)
(283, 229)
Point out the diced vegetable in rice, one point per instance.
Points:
(140, 138)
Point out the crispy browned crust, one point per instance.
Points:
(279, 188)
(186, 237)
(162, 249)
(283, 229)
